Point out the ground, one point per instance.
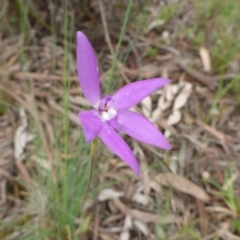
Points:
(189, 192)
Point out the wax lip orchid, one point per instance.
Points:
(111, 112)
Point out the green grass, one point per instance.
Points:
(111, 84)
(168, 11)
(218, 23)
(223, 89)
(227, 191)
(52, 205)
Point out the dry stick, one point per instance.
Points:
(105, 27)
(201, 77)
(94, 145)
(204, 78)
(108, 39)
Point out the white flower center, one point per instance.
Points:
(109, 114)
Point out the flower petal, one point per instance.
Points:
(118, 146)
(139, 128)
(87, 69)
(91, 124)
(133, 93)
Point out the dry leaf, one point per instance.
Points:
(167, 134)
(155, 23)
(147, 106)
(145, 216)
(125, 235)
(222, 210)
(175, 88)
(156, 114)
(169, 95)
(142, 227)
(22, 137)
(182, 184)
(182, 97)
(206, 59)
(141, 199)
(105, 236)
(149, 71)
(173, 165)
(127, 223)
(163, 103)
(231, 236)
(109, 193)
(174, 118)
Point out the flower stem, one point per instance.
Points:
(93, 151)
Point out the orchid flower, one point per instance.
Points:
(111, 113)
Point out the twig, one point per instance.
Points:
(105, 27)
(203, 78)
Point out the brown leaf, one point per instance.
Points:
(145, 217)
(174, 118)
(147, 106)
(109, 193)
(182, 184)
(206, 59)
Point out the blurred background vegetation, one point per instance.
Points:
(44, 161)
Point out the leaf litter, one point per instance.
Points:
(132, 206)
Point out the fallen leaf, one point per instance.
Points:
(142, 227)
(156, 114)
(174, 88)
(206, 59)
(22, 137)
(155, 23)
(182, 97)
(146, 217)
(149, 71)
(147, 106)
(125, 235)
(174, 118)
(222, 210)
(141, 199)
(173, 164)
(169, 93)
(109, 193)
(183, 185)
(163, 103)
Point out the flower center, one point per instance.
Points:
(106, 108)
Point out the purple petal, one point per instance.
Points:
(133, 93)
(91, 124)
(139, 128)
(87, 69)
(118, 146)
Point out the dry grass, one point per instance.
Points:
(190, 192)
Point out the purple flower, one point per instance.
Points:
(111, 112)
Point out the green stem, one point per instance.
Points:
(93, 151)
(114, 63)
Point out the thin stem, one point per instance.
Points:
(105, 27)
(66, 83)
(94, 146)
(114, 63)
